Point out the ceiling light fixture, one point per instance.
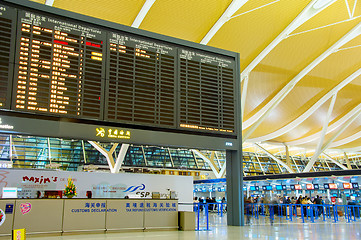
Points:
(321, 4)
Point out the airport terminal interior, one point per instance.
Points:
(164, 119)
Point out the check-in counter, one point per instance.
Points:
(161, 214)
(80, 215)
(39, 215)
(84, 215)
(125, 215)
(6, 217)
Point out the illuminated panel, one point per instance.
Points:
(347, 185)
(332, 185)
(59, 67)
(7, 19)
(298, 187)
(206, 92)
(309, 186)
(141, 86)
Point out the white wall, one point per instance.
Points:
(102, 185)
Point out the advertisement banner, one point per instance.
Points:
(102, 185)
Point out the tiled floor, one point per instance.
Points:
(276, 232)
(259, 229)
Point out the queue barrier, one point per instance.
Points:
(289, 212)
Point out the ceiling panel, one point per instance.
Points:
(250, 33)
(119, 11)
(189, 20)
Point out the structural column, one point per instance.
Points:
(235, 205)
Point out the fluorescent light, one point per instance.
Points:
(321, 3)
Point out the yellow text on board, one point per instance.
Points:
(112, 133)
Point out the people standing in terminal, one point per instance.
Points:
(248, 209)
(195, 204)
(318, 201)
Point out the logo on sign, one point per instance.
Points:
(2, 217)
(25, 208)
(135, 188)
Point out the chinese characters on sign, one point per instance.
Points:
(151, 207)
(94, 207)
(112, 133)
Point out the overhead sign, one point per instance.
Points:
(115, 133)
(5, 126)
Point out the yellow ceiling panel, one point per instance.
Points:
(299, 51)
(355, 127)
(119, 11)
(264, 82)
(189, 20)
(250, 33)
(334, 13)
(339, 65)
(290, 108)
(355, 43)
(251, 6)
(314, 123)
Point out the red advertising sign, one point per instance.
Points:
(332, 185)
(347, 185)
(298, 187)
(309, 186)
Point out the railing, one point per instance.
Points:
(288, 212)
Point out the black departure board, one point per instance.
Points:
(141, 81)
(7, 32)
(206, 91)
(59, 67)
(54, 65)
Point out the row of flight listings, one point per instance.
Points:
(292, 187)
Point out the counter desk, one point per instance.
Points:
(40, 216)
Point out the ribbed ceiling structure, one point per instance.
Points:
(300, 60)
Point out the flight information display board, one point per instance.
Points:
(141, 84)
(7, 32)
(58, 66)
(206, 91)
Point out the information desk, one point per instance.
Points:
(77, 215)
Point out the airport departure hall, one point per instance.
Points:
(179, 119)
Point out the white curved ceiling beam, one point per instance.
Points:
(274, 158)
(356, 31)
(218, 172)
(341, 130)
(334, 161)
(142, 13)
(226, 16)
(309, 111)
(322, 138)
(307, 13)
(243, 95)
(346, 140)
(248, 133)
(331, 128)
